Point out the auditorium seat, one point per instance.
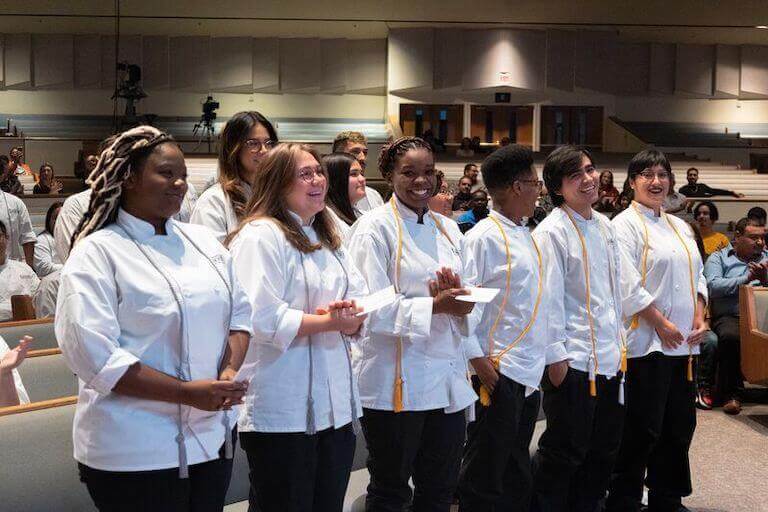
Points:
(46, 376)
(753, 330)
(40, 329)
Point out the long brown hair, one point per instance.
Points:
(233, 138)
(273, 182)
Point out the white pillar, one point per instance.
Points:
(467, 120)
(537, 127)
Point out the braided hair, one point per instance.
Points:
(123, 154)
(391, 151)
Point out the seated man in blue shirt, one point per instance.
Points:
(479, 211)
(746, 262)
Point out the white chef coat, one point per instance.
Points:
(15, 216)
(46, 258)
(69, 218)
(45, 300)
(187, 205)
(668, 276)
(525, 362)
(115, 308)
(371, 201)
(614, 284)
(343, 228)
(20, 390)
(434, 357)
(16, 278)
(270, 269)
(214, 210)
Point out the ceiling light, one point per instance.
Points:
(761, 26)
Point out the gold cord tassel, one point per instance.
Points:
(690, 368)
(635, 322)
(623, 366)
(592, 383)
(485, 396)
(398, 394)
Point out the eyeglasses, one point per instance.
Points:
(537, 183)
(255, 145)
(648, 175)
(308, 174)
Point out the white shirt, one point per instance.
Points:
(214, 210)
(15, 216)
(46, 258)
(76, 205)
(20, 390)
(272, 275)
(371, 200)
(525, 362)
(115, 309)
(69, 218)
(343, 228)
(434, 358)
(45, 300)
(614, 286)
(16, 278)
(668, 276)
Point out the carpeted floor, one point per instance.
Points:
(729, 461)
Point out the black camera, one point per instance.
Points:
(209, 108)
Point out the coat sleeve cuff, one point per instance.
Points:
(556, 352)
(109, 375)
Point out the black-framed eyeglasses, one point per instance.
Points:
(649, 174)
(255, 145)
(537, 183)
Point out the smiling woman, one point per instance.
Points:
(151, 319)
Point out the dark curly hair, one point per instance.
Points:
(391, 151)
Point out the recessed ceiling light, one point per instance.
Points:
(761, 26)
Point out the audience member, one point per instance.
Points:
(475, 145)
(86, 167)
(607, 194)
(757, 213)
(505, 141)
(622, 203)
(695, 189)
(18, 167)
(437, 144)
(356, 145)
(705, 214)
(245, 140)
(462, 199)
(746, 263)
(19, 234)
(47, 182)
(16, 278)
(472, 172)
(478, 211)
(442, 201)
(12, 390)
(9, 182)
(346, 188)
(46, 258)
(675, 202)
(465, 149)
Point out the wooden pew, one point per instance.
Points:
(753, 330)
(41, 329)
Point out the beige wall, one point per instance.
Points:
(171, 103)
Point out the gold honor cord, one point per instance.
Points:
(690, 275)
(485, 395)
(397, 396)
(593, 369)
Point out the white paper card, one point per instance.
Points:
(481, 295)
(376, 300)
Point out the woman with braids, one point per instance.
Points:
(412, 366)
(246, 139)
(153, 322)
(297, 425)
(346, 188)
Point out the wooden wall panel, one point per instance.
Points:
(367, 66)
(300, 65)
(754, 71)
(53, 61)
(266, 64)
(661, 73)
(87, 61)
(727, 70)
(190, 63)
(695, 68)
(18, 61)
(410, 59)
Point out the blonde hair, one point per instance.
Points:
(274, 181)
(343, 138)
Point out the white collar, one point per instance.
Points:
(300, 221)
(140, 229)
(407, 214)
(567, 209)
(507, 221)
(648, 212)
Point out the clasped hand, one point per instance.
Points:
(344, 316)
(444, 289)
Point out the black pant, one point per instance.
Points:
(661, 418)
(496, 471)
(296, 472)
(152, 491)
(425, 445)
(730, 380)
(573, 464)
